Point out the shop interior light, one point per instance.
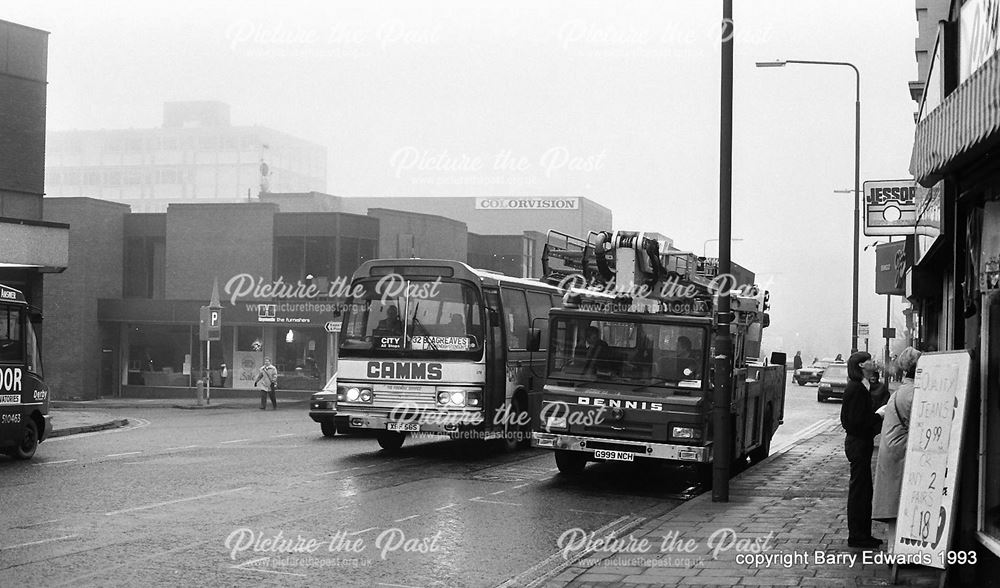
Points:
(290, 337)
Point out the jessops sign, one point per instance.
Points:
(890, 207)
(527, 204)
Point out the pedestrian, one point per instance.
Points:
(797, 362)
(267, 383)
(857, 415)
(223, 375)
(840, 358)
(892, 446)
(879, 391)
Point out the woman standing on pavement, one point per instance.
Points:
(858, 417)
(892, 447)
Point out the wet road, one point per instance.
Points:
(222, 496)
(212, 497)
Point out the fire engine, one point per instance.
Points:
(630, 361)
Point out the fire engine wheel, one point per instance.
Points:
(570, 462)
(329, 428)
(760, 454)
(29, 442)
(390, 441)
(518, 435)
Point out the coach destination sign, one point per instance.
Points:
(890, 207)
(500, 203)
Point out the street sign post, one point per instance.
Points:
(332, 326)
(863, 330)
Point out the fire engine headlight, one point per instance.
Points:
(474, 398)
(458, 398)
(680, 433)
(366, 396)
(353, 394)
(554, 422)
(443, 397)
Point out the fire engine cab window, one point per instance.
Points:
(11, 349)
(629, 352)
(515, 310)
(539, 304)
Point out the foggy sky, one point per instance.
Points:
(616, 102)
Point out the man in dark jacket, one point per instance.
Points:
(857, 415)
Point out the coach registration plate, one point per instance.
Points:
(613, 455)
(411, 427)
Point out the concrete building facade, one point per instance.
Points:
(197, 155)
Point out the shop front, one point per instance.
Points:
(956, 282)
(156, 348)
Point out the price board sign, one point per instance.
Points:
(930, 474)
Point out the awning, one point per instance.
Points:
(966, 122)
(38, 244)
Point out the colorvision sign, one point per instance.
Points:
(527, 204)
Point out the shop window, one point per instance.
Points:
(157, 355)
(348, 255)
(144, 270)
(990, 482)
(301, 358)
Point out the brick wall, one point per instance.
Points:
(205, 241)
(71, 345)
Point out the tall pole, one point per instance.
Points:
(888, 313)
(857, 206)
(722, 397)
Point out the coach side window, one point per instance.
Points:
(539, 304)
(11, 349)
(515, 318)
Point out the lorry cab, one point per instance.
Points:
(24, 397)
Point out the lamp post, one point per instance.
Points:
(857, 175)
(704, 249)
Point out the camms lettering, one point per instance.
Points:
(616, 403)
(404, 370)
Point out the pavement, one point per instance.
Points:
(791, 506)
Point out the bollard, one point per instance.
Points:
(200, 386)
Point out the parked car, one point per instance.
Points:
(833, 383)
(812, 374)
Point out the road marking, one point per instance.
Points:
(133, 423)
(523, 485)
(122, 454)
(446, 507)
(263, 571)
(371, 466)
(54, 462)
(497, 492)
(397, 585)
(233, 441)
(363, 531)
(331, 473)
(179, 500)
(63, 538)
(478, 499)
(343, 507)
(597, 512)
(809, 431)
(406, 518)
(284, 435)
(180, 448)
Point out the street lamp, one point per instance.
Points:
(857, 175)
(704, 249)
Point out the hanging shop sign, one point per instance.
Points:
(890, 207)
(892, 262)
(928, 229)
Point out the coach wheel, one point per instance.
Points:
(329, 428)
(390, 441)
(29, 441)
(517, 435)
